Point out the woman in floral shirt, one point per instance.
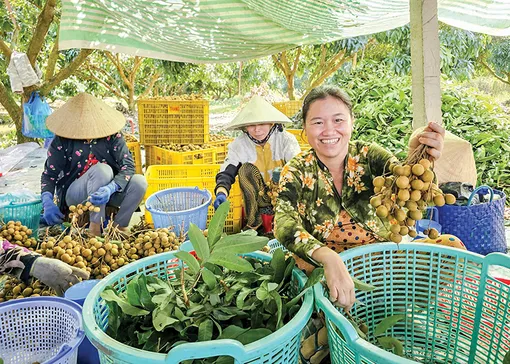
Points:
(89, 160)
(323, 204)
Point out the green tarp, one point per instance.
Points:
(233, 30)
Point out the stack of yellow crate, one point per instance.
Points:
(301, 138)
(289, 108)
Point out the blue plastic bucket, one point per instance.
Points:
(87, 353)
(40, 329)
(178, 207)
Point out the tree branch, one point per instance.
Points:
(41, 29)
(66, 71)
(285, 64)
(116, 63)
(52, 61)
(151, 85)
(278, 63)
(493, 72)
(296, 60)
(10, 104)
(138, 63)
(105, 73)
(90, 76)
(5, 50)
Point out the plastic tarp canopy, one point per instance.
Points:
(207, 31)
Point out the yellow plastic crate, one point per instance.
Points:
(221, 147)
(166, 121)
(158, 156)
(134, 148)
(160, 177)
(289, 108)
(301, 138)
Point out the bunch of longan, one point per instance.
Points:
(16, 289)
(403, 195)
(153, 242)
(18, 234)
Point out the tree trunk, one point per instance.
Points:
(131, 101)
(239, 78)
(290, 87)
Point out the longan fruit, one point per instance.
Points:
(49, 253)
(439, 200)
(97, 209)
(417, 184)
(407, 170)
(398, 170)
(449, 199)
(403, 194)
(98, 244)
(72, 208)
(410, 222)
(425, 163)
(378, 181)
(415, 195)
(418, 169)
(400, 215)
(101, 252)
(67, 239)
(395, 229)
(402, 182)
(382, 211)
(88, 204)
(121, 262)
(108, 246)
(396, 238)
(91, 208)
(427, 176)
(27, 292)
(115, 251)
(415, 215)
(433, 234)
(404, 230)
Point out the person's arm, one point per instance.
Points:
(228, 171)
(123, 157)
(55, 163)
(14, 259)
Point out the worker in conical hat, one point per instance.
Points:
(88, 160)
(254, 155)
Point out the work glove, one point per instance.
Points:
(220, 198)
(103, 194)
(57, 274)
(52, 214)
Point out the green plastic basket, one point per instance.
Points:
(281, 347)
(456, 312)
(28, 212)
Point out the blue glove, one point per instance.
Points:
(52, 214)
(103, 194)
(220, 198)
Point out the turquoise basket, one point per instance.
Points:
(281, 347)
(456, 312)
(28, 212)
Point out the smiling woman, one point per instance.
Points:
(323, 205)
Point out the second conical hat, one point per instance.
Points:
(258, 111)
(85, 117)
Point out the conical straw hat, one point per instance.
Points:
(457, 162)
(258, 111)
(85, 117)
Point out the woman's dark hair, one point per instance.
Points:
(321, 92)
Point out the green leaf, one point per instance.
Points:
(263, 291)
(506, 359)
(356, 327)
(279, 307)
(388, 342)
(133, 292)
(230, 261)
(142, 336)
(232, 332)
(199, 242)
(278, 264)
(190, 261)
(180, 315)
(291, 263)
(162, 318)
(314, 278)
(224, 359)
(145, 297)
(362, 286)
(242, 296)
(209, 277)
(240, 244)
(110, 295)
(205, 330)
(114, 319)
(387, 323)
(253, 335)
(217, 223)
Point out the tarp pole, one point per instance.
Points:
(425, 62)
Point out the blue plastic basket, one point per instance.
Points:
(456, 312)
(281, 347)
(431, 221)
(26, 211)
(480, 227)
(178, 207)
(274, 245)
(40, 329)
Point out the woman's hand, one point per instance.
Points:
(432, 136)
(338, 279)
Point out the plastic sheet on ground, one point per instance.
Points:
(21, 167)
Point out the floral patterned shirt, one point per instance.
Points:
(309, 206)
(68, 159)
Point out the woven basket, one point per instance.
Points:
(480, 227)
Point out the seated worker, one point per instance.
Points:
(88, 160)
(323, 205)
(263, 146)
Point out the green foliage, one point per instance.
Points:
(382, 108)
(219, 296)
(500, 56)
